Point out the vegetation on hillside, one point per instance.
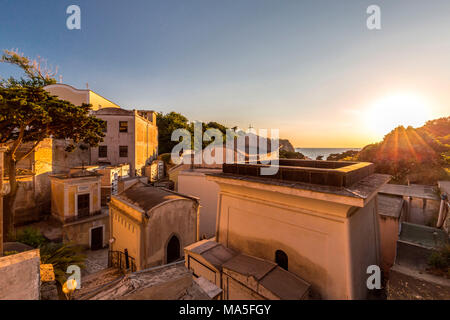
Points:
(291, 155)
(349, 155)
(414, 155)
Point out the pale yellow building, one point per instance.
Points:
(111, 175)
(2, 193)
(152, 225)
(79, 96)
(75, 202)
(316, 219)
(131, 137)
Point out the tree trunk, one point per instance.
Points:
(9, 199)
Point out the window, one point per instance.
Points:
(105, 126)
(123, 126)
(281, 259)
(123, 151)
(102, 151)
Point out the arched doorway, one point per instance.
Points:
(173, 249)
(281, 259)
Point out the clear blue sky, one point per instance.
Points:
(310, 68)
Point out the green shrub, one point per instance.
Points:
(31, 237)
(440, 259)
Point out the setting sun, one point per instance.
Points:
(392, 111)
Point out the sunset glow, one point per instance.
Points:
(389, 112)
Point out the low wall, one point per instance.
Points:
(20, 276)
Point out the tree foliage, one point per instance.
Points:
(169, 122)
(29, 114)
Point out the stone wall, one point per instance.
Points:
(20, 276)
(79, 232)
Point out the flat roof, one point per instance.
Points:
(413, 190)
(213, 252)
(355, 195)
(327, 173)
(390, 205)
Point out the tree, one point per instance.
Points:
(167, 123)
(29, 114)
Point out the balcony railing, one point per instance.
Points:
(121, 260)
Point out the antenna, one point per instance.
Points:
(87, 85)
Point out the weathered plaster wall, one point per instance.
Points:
(194, 183)
(177, 218)
(364, 249)
(114, 139)
(33, 198)
(80, 232)
(125, 224)
(233, 290)
(69, 93)
(64, 195)
(389, 228)
(20, 276)
(146, 143)
(313, 233)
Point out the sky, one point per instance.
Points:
(311, 69)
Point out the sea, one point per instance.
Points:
(313, 153)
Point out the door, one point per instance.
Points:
(83, 205)
(97, 238)
(173, 249)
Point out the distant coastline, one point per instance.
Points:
(313, 153)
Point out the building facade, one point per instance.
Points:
(80, 96)
(131, 137)
(152, 225)
(76, 205)
(194, 182)
(2, 193)
(317, 219)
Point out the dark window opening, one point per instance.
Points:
(123, 151)
(83, 205)
(102, 151)
(281, 259)
(123, 126)
(97, 238)
(173, 249)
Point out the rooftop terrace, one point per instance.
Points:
(327, 173)
(352, 183)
